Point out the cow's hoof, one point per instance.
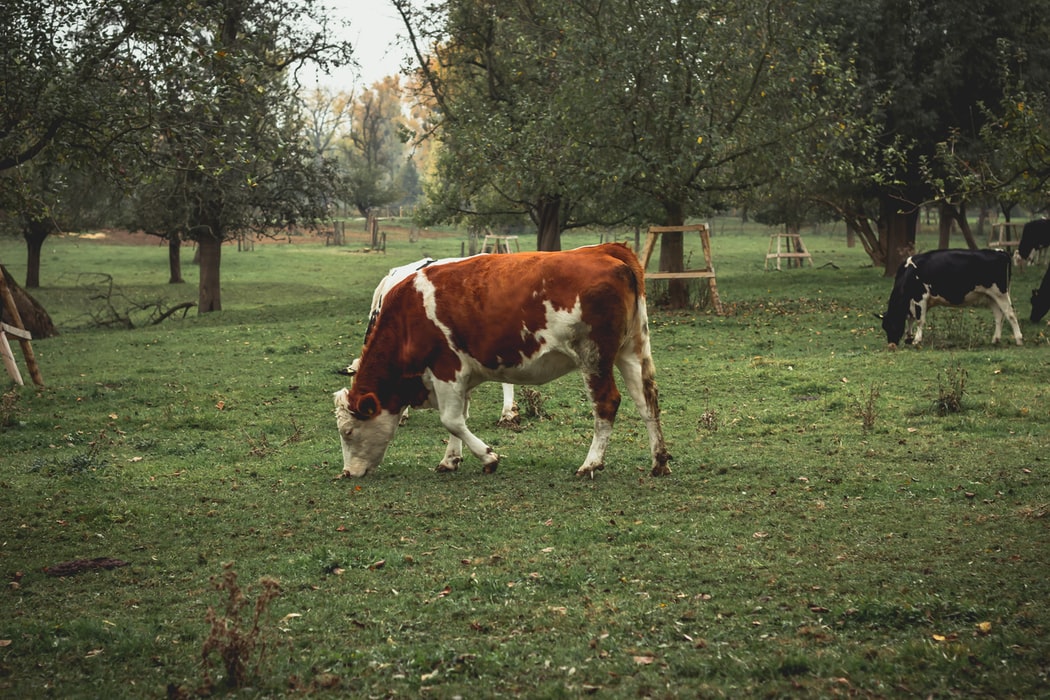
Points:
(660, 467)
(449, 467)
(891, 346)
(491, 462)
(588, 470)
(509, 422)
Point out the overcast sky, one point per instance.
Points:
(374, 27)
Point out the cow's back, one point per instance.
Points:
(954, 273)
(498, 308)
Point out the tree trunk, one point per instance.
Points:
(175, 259)
(964, 225)
(672, 257)
(548, 222)
(897, 233)
(944, 226)
(209, 297)
(35, 231)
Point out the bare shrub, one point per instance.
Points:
(950, 389)
(236, 638)
(868, 411)
(533, 401)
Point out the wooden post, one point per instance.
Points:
(16, 325)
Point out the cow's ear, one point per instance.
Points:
(367, 406)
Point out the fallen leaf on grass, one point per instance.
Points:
(644, 659)
(5, 642)
(984, 627)
(93, 653)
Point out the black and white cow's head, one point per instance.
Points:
(907, 289)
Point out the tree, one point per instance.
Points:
(712, 103)
(67, 84)
(227, 148)
(373, 151)
(503, 82)
(928, 72)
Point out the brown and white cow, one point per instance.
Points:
(521, 318)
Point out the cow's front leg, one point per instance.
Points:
(453, 404)
(453, 455)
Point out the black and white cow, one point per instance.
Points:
(953, 278)
(1034, 237)
(1041, 299)
(509, 413)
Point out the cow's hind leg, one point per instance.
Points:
(509, 415)
(639, 374)
(997, 311)
(605, 400)
(1005, 307)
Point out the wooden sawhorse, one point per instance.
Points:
(707, 272)
(794, 251)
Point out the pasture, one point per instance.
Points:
(841, 520)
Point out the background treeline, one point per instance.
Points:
(204, 122)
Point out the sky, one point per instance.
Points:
(373, 29)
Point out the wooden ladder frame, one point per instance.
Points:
(17, 329)
(797, 254)
(708, 272)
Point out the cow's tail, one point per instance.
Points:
(636, 274)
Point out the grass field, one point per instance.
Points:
(841, 520)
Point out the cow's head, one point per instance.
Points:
(365, 430)
(906, 287)
(1040, 305)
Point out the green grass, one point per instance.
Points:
(826, 530)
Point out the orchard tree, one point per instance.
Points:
(373, 149)
(705, 103)
(69, 80)
(930, 71)
(625, 110)
(228, 151)
(509, 92)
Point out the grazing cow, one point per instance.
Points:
(509, 414)
(1034, 237)
(1041, 298)
(949, 277)
(524, 318)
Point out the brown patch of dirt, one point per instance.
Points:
(112, 236)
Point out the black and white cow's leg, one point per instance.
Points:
(1002, 306)
(639, 374)
(916, 320)
(997, 312)
(453, 403)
